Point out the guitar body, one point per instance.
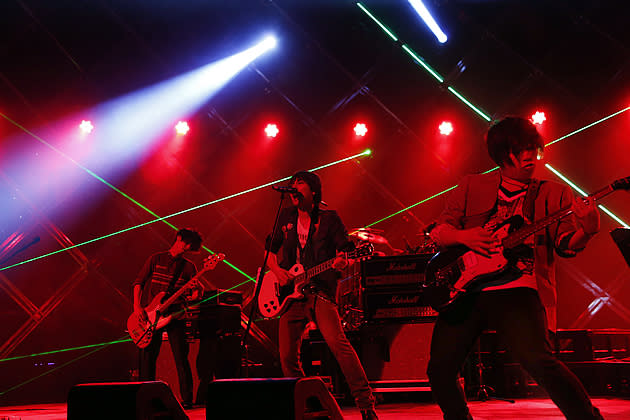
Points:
(458, 270)
(142, 332)
(274, 299)
(453, 272)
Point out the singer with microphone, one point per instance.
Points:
(309, 236)
(283, 189)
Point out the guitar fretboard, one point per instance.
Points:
(520, 235)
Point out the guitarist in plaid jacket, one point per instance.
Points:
(520, 302)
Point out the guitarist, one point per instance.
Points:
(168, 271)
(520, 303)
(309, 235)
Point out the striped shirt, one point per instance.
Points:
(164, 273)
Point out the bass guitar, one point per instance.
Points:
(141, 327)
(274, 299)
(452, 273)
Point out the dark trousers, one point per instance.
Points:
(324, 313)
(179, 346)
(519, 317)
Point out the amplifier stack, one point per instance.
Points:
(385, 289)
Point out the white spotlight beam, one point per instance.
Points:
(424, 13)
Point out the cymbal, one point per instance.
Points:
(366, 229)
(369, 237)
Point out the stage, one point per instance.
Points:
(534, 408)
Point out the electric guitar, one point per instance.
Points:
(454, 272)
(141, 330)
(274, 299)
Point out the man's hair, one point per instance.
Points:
(313, 182)
(512, 135)
(190, 237)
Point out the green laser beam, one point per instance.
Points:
(56, 368)
(125, 339)
(412, 206)
(608, 212)
(588, 126)
(423, 63)
(364, 153)
(383, 27)
(584, 194)
(486, 117)
(87, 346)
(469, 104)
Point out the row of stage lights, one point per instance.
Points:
(360, 129)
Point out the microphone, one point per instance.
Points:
(281, 189)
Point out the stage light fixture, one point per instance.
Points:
(268, 43)
(424, 13)
(182, 128)
(538, 117)
(446, 128)
(271, 130)
(360, 129)
(86, 126)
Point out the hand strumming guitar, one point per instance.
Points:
(479, 240)
(341, 261)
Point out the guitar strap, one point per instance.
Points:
(530, 199)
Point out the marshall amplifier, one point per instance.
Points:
(397, 304)
(403, 270)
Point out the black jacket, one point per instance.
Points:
(326, 236)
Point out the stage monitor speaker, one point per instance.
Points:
(271, 398)
(396, 352)
(123, 401)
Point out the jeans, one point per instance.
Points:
(519, 317)
(324, 313)
(179, 346)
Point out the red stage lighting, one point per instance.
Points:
(182, 128)
(86, 127)
(271, 130)
(360, 129)
(446, 128)
(538, 117)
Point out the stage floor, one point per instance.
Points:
(538, 408)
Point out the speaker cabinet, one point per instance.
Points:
(123, 401)
(396, 352)
(271, 398)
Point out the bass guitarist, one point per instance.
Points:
(520, 302)
(309, 236)
(166, 272)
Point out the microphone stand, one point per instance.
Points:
(254, 301)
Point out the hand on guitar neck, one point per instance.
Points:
(286, 276)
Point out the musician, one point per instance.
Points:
(309, 235)
(168, 271)
(520, 304)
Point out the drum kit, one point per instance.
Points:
(351, 288)
(376, 237)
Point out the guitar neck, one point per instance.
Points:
(320, 268)
(520, 235)
(168, 302)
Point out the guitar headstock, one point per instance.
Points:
(363, 251)
(211, 262)
(621, 184)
